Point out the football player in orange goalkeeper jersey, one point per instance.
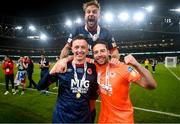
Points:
(114, 84)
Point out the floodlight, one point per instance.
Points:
(149, 8)
(139, 16)
(78, 20)
(123, 16)
(18, 27)
(43, 37)
(108, 17)
(32, 28)
(68, 23)
(175, 10)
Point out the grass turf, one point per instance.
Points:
(33, 107)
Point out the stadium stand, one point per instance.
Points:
(157, 37)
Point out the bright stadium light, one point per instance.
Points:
(149, 8)
(123, 16)
(175, 10)
(43, 36)
(78, 21)
(32, 28)
(18, 27)
(139, 16)
(108, 17)
(68, 23)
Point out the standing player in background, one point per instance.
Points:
(114, 83)
(8, 67)
(20, 78)
(153, 64)
(44, 66)
(92, 31)
(146, 63)
(30, 71)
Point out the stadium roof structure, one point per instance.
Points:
(37, 8)
(47, 19)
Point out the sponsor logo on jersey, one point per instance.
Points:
(80, 70)
(79, 86)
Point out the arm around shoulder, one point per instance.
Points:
(65, 51)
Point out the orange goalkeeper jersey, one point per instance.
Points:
(116, 106)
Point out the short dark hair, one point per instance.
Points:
(100, 42)
(90, 3)
(7, 56)
(79, 37)
(42, 53)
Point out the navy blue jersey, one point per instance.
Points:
(73, 96)
(104, 35)
(44, 62)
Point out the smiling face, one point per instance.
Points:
(80, 50)
(101, 54)
(92, 14)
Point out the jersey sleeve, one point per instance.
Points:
(46, 80)
(111, 41)
(133, 74)
(73, 33)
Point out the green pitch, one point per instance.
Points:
(159, 105)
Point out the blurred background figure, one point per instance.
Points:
(146, 63)
(154, 63)
(20, 78)
(30, 70)
(44, 66)
(8, 67)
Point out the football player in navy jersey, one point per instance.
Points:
(92, 31)
(44, 66)
(78, 86)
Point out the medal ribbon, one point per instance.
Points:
(106, 85)
(75, 73)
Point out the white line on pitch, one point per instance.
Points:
(154, 111)
(137, 108)
(173, 73)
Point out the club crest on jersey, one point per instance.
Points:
(112, 74)
(89, 71)
(132, 71)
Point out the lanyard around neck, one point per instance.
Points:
(75, 72)
(107, 83)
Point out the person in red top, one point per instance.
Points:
(8, 67)
(114, 85)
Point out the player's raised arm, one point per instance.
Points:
(147, 80)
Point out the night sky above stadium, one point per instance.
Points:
(40, 8)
